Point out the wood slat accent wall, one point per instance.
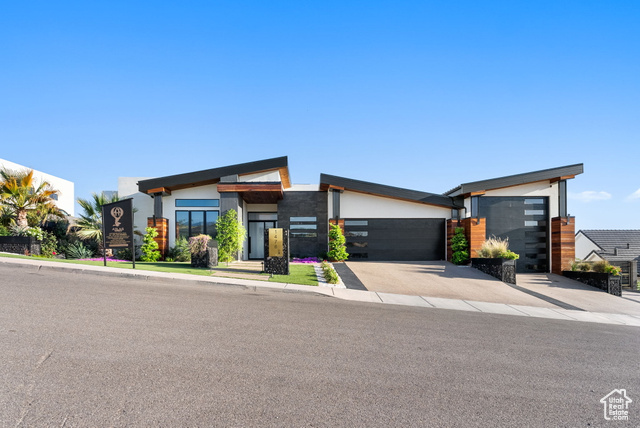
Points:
(249, 187)
(475, 234)
(563, 243)
(162, 226)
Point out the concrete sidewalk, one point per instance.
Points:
(344, 294)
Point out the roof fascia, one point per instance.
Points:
(331, 181)
(212, 176)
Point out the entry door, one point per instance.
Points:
(256, 237)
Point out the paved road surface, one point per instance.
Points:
(84, 350)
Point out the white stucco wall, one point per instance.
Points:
(360, 205)
(584, 246)
(261, 176)
(66, 198)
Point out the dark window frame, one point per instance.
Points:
(204, 223)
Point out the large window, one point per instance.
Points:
(197, 202)
(192, 223)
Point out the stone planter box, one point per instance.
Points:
(609, 283)
(503, 269)
(207, 259)
(19, 245)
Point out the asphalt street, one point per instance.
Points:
(88, 350)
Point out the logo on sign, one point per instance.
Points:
(117, 213)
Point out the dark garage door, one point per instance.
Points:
(525, 222)
(395, 239)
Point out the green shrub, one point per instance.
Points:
(337, 250)
(330, 275)
(181, 251)
(124, 254)
(77, 250)
(150, 247)
(49, 245)
(601, 266)
(34, 232)
(459, 246)
(230, 235)
(4, 231)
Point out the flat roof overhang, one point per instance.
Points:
(255, 193)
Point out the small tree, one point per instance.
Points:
(337, 251)
(230, 236)
(459, 246)
(150, 247)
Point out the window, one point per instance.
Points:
(197, 202)
(356, 223)
(534, 201)
(533, 212)
(303, 219)
(303, 227)
(530, 223)
(192, 223)
(263, 216)
(353, 233)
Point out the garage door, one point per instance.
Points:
(395, 239)
(524, 221)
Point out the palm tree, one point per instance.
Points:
(18, 192)
(90, 223)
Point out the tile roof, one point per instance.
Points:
(616, 245)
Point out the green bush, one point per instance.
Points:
(180, 252)
(49, 245)
(230, 235)
(330, 275)
(4, 231)
(459, 246)
(77, 250)
(337, 250)
(34, 232)
(150, 247)
(601, 266)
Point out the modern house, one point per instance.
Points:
(65, 200)
(380, 222)
(618, 247)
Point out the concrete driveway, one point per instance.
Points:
(439, 279)
(580, 295)
(446, 280)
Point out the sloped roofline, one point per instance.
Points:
(211, 176)
(562, 172)
(332, 181)
(589, 238)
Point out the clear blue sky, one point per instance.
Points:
(417, 94)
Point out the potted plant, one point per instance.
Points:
(204, 251)
(495, 259)
(598, 274)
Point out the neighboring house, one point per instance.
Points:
(618, 247)
(65, 200)
(380, 222)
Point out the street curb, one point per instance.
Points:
(340, 293)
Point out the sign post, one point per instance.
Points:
(117, 227)
(276, 251)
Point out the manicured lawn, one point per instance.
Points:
(303, 274)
